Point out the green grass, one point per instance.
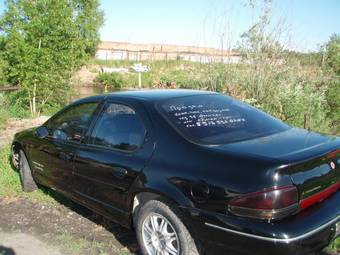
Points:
(128, 63)
(9, 180)
(74, 246)
(4, 116)
(336, 244)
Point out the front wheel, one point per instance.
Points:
(27, 182)
(160, 231)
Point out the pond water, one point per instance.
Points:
(85, 91)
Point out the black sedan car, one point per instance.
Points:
(192, 172)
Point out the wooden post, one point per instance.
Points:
(306, 121)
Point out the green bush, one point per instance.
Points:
(12, 106)
(16, 103)
(333, 53)
(180, 79)
(301, 95)
(111, 81)
(333, 100)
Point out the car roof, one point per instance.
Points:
(149, 95)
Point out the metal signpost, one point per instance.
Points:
(139, 68)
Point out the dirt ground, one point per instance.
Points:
(15, 125)
(12, 240)
(32, 228)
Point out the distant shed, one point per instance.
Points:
(138, 52)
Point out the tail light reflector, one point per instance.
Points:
(318, 197)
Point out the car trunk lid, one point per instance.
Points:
(311, 160)
(316, 178)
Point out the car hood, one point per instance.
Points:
(24, 133)
(291, 145)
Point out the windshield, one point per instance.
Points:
(218, 119)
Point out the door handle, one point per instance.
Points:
(66, 156)
(119, 172)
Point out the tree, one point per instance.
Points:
(43, 45)
(3, 66)
(258, 43)
(333, 53)
(333, 100)
(89, 19)
(276, 81)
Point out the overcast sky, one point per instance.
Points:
(305, 24)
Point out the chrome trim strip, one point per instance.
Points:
(337, 230)
(277, 240)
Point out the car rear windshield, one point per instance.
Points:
(218, 119)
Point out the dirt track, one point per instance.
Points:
(24, 244)
(28, 228)
(15, 125)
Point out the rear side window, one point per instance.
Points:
(217, 119)
(119, 127)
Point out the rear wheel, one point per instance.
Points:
(160, 231)
(27, 182)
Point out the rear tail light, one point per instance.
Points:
(272, 203)
(333, 154)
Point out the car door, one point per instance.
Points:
(53, 155)
(118, 147)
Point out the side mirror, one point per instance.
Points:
(41, 132)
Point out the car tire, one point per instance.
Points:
(27, 182)
(15, 158)
(159, 227)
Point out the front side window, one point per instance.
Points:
(119, 127)
(217, 119)
(72, 124)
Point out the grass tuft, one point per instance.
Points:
(335, 245)
(75, 246)
(10, 186)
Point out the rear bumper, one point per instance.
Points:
(311, 230)
(337, 230)
(252, 244)
(333, 224)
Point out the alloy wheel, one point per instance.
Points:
(159, 236)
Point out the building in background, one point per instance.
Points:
(139, 52)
